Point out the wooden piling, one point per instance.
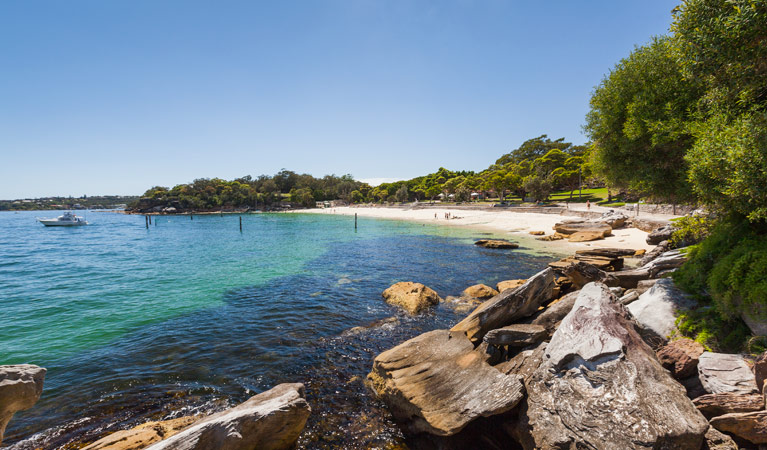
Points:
(240, 224)
(191, 216)
(146, 221)
(355, 221)
(150, 220)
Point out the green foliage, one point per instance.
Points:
(729, 266)
(691, 230)
(706, 326)
(537, 147)
(538, 187)
(639, 123)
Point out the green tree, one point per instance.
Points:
(640, 120)
(402, 193)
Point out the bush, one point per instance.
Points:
(691, 230)
(706, 326)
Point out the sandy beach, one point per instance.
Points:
(506, 224)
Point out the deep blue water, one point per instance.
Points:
(192, 316)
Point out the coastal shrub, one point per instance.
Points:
(729, 267)
(707, 326)
(691, 230)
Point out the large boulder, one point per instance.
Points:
(654, 253)
(570, 227)
(516, 335)
(716, 440)
(271, 420)
(509, 305)
(582, 273)
(660, 234)
(606, 252)
(20, 388)
(412, 297)
(480, 291)
(749, 426)
(671, 259)
(680, 357)
(550, 317)
(437, 383)
(142, 435)
(724, 372)
(509, 284)
(760, 370)
(613, 218)
(586, 236)
(601, 387)
(657, 309)
(712, 405)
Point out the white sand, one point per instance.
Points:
(504, 223)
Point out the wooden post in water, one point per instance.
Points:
(150, 220)
(355, 221)
(146, 221)
(191, 216)
(240, 224)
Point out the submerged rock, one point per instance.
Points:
(412, 297)
(436, 383)
(496, 243)
(271, 420)
(20, 388)
(508, 306)
(601, 387)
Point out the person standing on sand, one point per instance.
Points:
(588, 205)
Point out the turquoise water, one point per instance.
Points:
(193, 315)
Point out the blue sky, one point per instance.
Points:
(112, 97)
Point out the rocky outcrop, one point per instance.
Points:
(586, 236)
(509, 284)
(437, 383)
(760, 370)
(517, 335)
(724, 372)
(660, 234)
(20, 388)
(480, 291)
(671, 259)
(496, 243)
(657, 309)
(508, 306)
(550, 317)
(601, 387)
(614, 218)
(680, 357)
(570, 227)
(749, 426)
(412, 297)
(142, 436)
(582, 273)
(606, 252)
(712, 405)
(271, 420)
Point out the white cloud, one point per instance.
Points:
(377, 181)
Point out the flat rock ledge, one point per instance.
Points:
(496, 243)
(724, 372)
(436, 383)
(20, 388)
(143, 435)
(749, 426)
(412, 297)
(601, 387)
(271, 420)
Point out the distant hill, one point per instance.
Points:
(85, 202)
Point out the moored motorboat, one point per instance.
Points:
(68, 219)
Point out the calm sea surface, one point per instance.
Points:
(192, 316)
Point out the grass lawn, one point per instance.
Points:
(592, 195)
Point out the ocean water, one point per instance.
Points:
(192, 316)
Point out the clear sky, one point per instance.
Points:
(112, 97)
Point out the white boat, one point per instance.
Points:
(66, 220)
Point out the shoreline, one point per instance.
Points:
(515, 225)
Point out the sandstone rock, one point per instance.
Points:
(640, 252)
(668, 260)
(552, 237)
(657, 309)
(571, 227)
(606, 252)
(271, 420)
(516, 335)
(760, 370)
(412, 297)
(602, 262)
(614, 219)
(629, 296)
(586, 236)
(647, 224)
(496, 243)
(20, 388)
(509, 284)
(538, 233)
(749, 426)
(660, 234)
(723, 372)
(654, 253)
(509, 305)
(601, 387)
(644, 285)
(524, 363)
(142, 436)
(582, 273)
(550, 317)
(718, 404)
(480, 291)
(436, 383)
(716, 440)
(680, 357)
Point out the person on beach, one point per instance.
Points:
(588, 205)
